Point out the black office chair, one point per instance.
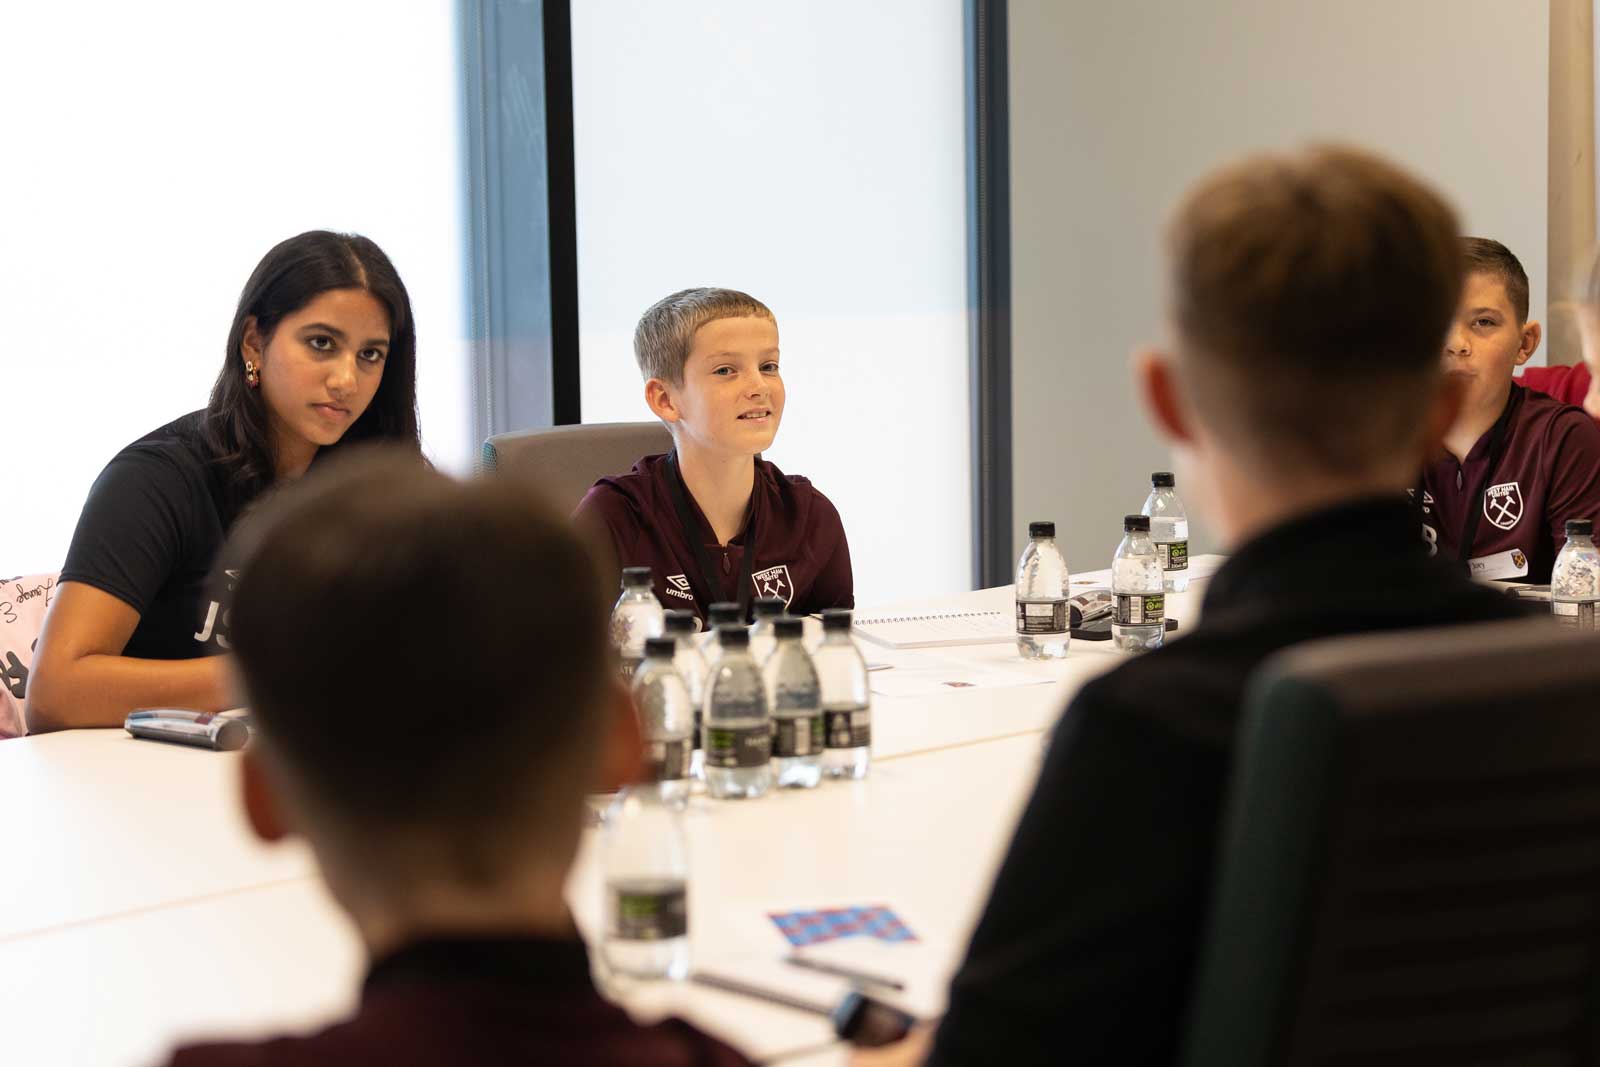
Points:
(1410, 864)
(564, 461)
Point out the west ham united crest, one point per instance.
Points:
(774, 582)
(1502, 504)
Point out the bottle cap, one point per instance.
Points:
(1037, 530)
(733, 637)
(1162, 480)
(789, 627)
(677, 621)
(632, 576)
(768, 607)
(1580, 527)
(1133, 523)
(836, 619)
(664, 647)
(724, 613)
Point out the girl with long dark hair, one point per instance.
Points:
(322, 353)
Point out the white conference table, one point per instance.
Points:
(136, 910)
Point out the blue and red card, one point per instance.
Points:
(830, 924)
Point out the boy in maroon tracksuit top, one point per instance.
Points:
(712, 519)
(1518, 463)
(444, 827)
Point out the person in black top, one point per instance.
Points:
(1309, 293)
(444, 828)
(322, 352)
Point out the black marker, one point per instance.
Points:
(860, 1020)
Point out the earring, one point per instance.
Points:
(252, 377)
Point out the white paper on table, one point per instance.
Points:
(923, 969)
(914, 681)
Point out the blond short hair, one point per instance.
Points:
(665, 333)
(1311, 292)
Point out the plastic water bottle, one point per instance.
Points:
(723, 613)
(1140, 623)
(645, 857)
(1575, 579)
(719, 614)
(636, 617)
(1043, 619)
(691, 665)
(666, 719)
(1169, 529)
(762, 638)
(737, 726)
(795, 696)
(846, 699)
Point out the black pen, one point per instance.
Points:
(862, 977)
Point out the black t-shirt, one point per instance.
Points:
(149, 535)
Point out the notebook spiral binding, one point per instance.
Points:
(890, 619)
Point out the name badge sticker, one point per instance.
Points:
(1512, 563)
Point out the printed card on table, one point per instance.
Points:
(878, 921)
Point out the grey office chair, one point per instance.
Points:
(1409, 871)
(564, 461)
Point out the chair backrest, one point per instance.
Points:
(22, 606)
(1409, 871)
(564, 461)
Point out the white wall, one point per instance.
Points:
(813, 155)
(1117, 107)
(153, 153)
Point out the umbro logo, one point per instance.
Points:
(678, 586)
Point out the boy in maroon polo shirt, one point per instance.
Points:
(1518, 463)
(712, 519)
(433, 740)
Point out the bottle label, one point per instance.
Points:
(669, 760)
(1041, 616)
(1174, 555)
(848, 727)
(1141, 609)
(630, 664)
(738, 746)
(1576, 615)
(796, 735)
(649, 911)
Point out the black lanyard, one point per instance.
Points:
(1497, 447)
(709, 587)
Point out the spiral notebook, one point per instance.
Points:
(940, 629)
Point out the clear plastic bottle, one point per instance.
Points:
(1169, 530)
(795, 696)
(666, 719)
(762, 638)
(691, 664)
(1575, 579)
(645, 857)
(637, 616)
(1140, 623)
(1043, 618)
(720, 614)
(737, 725)
(846, 699)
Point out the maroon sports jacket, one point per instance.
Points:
(489, 1002)
(1548, 471)
(801, 555)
